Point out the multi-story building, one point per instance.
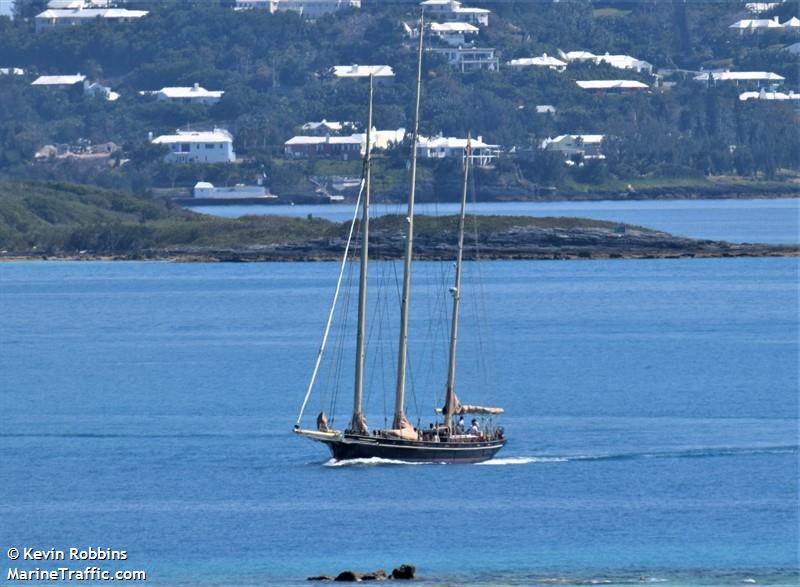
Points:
(215, 146)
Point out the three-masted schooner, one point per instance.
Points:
(445, 442)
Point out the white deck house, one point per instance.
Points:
(757, 25)
(441, 147)
(307, 8)
(617, 61)
(585, 146)
(346, 148)
(59, 80)
(466, 59)
(195, 94)
(214, 146)
(378, 72)
(612, 85)
(752, 78)
(207, 190)
(453, 33)
(454, 11)
(58, 18)
(543, 60)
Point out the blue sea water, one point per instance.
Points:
(734, 220)
(652, 416)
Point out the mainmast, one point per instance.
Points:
(358, 425)
(400, 421)
(450, 397)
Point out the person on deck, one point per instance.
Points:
(460, 426)
(475, 430)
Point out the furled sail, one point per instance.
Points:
(459, 408)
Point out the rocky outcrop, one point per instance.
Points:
(404, 572)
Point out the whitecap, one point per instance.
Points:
(523, 460)
(370, 462)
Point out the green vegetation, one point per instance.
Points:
(273, 69)
(62, 219)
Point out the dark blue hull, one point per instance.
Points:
(413, 451)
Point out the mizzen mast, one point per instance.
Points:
(358, 424)
(450, 397)
(400, 421)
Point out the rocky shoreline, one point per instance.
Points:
(531, 242)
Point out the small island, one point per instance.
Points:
(54, 220)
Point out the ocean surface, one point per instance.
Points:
(734, 220)
(652, 417)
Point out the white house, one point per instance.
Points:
(12, 71)
(452, 10)
(195, 94)
(324, 127)
(611, 85)
(755, 25)
(465, 59)
(579, 56)
(758, 7)
(378, 72)
(757, 78)
(346, 148)
(77, 4)
(57, 18)
(207, 190)
(545, 109)
(453, 33)
(586, 146)
(544, 60)
(617, 61)
(98, 89)
(215, 146)
(441, 147)
(764, 95)
(59, 80)
(307, 8)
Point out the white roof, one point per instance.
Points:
(203, 185)
(195, 91)
(78, 3)
(740, 76)
(769, 96)
(610, 84)
(12, 71)
(585, 139)
(545, 109)
(363, 71)
(218, 135)
(471, 10)
(793, 22)
(91, 13)
(577, 55)
(622, 61)
(440, 3)
(760, 6)
(323, 123)
(58, 80)
(756, 23)
(451, 143)
(306, 140)
(544, 60)
(453, 27)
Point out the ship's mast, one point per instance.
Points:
(451, 367)
(358, 424)
(400, 421)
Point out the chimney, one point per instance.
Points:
(195, 87)
(150, 136)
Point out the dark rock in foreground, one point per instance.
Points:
(404, 572)
(347, 576)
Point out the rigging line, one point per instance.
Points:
(333, 306)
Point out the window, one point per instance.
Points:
(209, 145)
(185, 147)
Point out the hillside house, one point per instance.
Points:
(78, 4)
(612, 85)
(207, 190)
(60, 18)
(757, 25)
(439, 147)
(544, 60)
(466, 59)
(324, 127)
(15, 71)
(454, 11)
(616, 61)
(756, 79)
(571, 146)
(195, 94)
(344, 148)
(379, 73)
(215, 146)
(307, 8)
(65, 81)
(453, 33)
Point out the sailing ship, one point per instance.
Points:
(442, 442)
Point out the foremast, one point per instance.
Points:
(450, 396)
(358, 424)
(400, 422)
